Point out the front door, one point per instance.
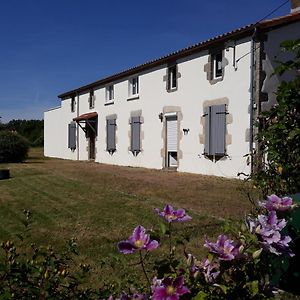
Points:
(92, 146)
(172, 141)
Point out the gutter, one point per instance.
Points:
(252, 97)
(77, 129)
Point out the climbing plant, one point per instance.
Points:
(279, 139)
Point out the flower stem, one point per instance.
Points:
(170, 242)
(143, 267)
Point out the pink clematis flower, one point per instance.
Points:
(171, 215)
(275, 203)
(268, 230)
(210, 270)
(169, 289)
(139, 240)
(224, 248)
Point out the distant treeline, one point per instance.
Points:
(32, 130)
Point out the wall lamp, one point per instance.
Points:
(185, 131)
(161, 116)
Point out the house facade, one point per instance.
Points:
(192, 110)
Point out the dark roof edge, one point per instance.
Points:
(238, 33)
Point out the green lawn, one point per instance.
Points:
(101, 204)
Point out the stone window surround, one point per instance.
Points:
(109, 117)
(209, 67)
(163, 150)
(229, 120)
(132, 96)
(165, 77)
(107, 95)
(136, 113)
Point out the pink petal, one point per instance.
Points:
(126, 247)
(168, 210)
(152, 245)
(159, 293)
(180, 213)
(183, 290)
(138, 233)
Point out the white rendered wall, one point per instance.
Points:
(193, 90)
(56, 132)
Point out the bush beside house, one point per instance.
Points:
(13, 147)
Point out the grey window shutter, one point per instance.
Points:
(135, 134)
(72, 135)
(207, 131)
(111, 134)
(218, 129)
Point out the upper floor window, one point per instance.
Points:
(110, 94)
(134, 86)
(217, 64)
(172, 78)
(91, 99)
(73, 103)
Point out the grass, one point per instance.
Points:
(101, 204)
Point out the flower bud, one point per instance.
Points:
(257, 253)
(46, 275)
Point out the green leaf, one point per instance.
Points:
(223, 287)
(200, 296)
(257, 253)
(163, 228)
(253, 287)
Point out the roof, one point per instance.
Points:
(86, 116)
(235, 34)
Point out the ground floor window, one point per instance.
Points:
(111, 135)
(215, 130)
(135, 142)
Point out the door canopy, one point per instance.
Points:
(89, 120)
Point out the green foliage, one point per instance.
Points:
(32, 130)
(13, 147)
(34, 272)
(28, 271)
(279, 138)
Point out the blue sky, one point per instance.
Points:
(50, 47)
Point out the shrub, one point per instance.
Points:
(13, 147)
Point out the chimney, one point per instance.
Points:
(295, 6)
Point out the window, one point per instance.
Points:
(135, 146)
(111, 135)
(217, 65)
(134, 86)
(72, 136)
(172, 78)
(91, 99)
(73, 103)
(110, 93)
(215, 130)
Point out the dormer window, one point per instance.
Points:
(172, 78)
(91, 99)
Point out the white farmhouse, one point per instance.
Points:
(192, 110)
